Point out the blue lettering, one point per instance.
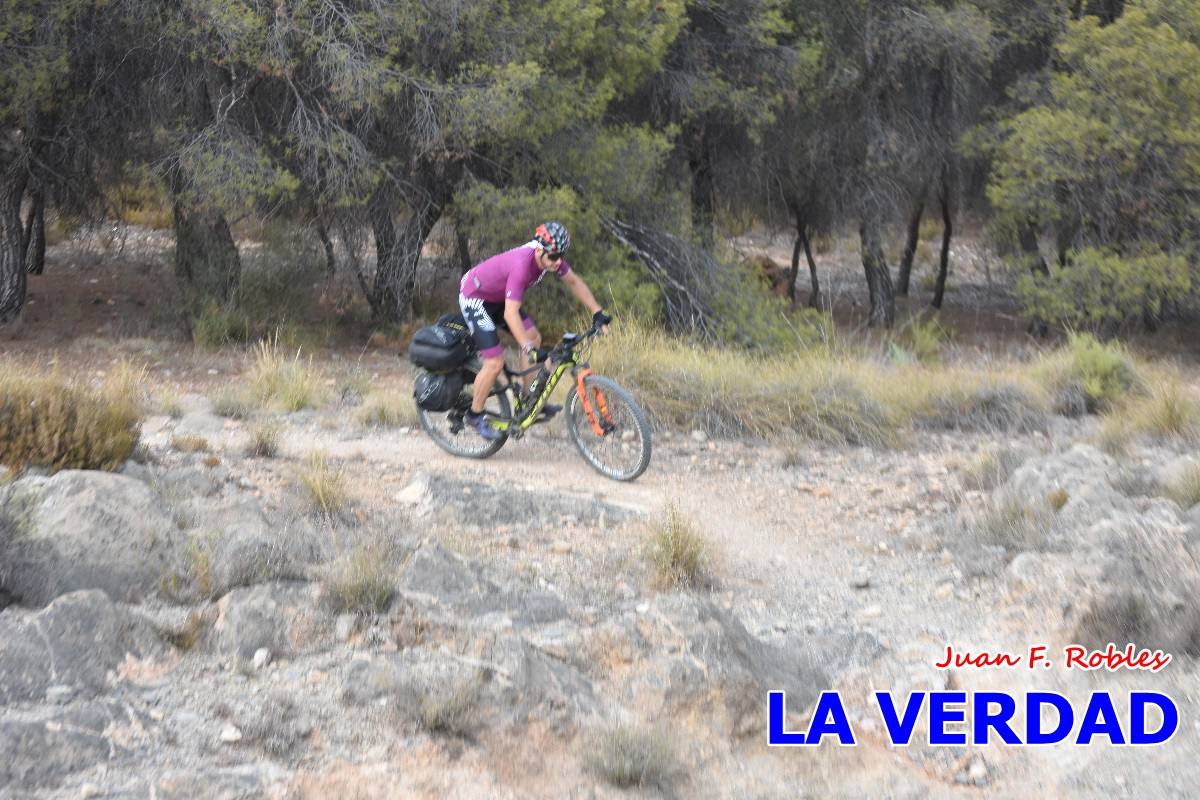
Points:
(829, 719)
(1100, 718)
(1137, 718)
(939, 715)
(900, 731)
(985, 721)
(1035, 701)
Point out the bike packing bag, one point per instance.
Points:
(437, 392)
(438, 349)
(456, 323)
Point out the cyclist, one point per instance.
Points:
(490, 296)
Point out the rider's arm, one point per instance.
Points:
(516, 325)
(581, 291)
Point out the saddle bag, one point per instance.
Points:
(437, 392)
(438, 348)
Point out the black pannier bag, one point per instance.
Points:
(438, 349)
(437, 392)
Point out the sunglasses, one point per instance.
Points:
(554, 256)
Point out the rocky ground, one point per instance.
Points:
(175, 630)
(172, 633)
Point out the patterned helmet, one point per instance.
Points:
(553, 236)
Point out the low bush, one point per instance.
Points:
(52, 423)
(1097, 374)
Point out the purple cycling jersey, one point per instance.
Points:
(506, 276)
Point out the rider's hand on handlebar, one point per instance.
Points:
(537, 356)
(600, 320)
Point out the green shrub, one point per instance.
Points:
(48, 422)
(1101, 373)
(1100, 289)
(218, 326)
(627, 756)
(925, 339)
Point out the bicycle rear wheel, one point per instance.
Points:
(621, 450)
(448, 430)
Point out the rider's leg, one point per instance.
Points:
(485, 380)
(536, 337)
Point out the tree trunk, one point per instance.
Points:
(463, 244)
(327, 243)
(814, 299)
(700, 165)
(910, 245)
(1031, 251)
(12, 254)
(944, 262)
(206, 258)
(879, 278)
(794, 275)
(34, 238)
(399, 255)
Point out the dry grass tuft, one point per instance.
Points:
(1184, 488)
(453, 710)
(626, 756)
(680, 553)
(264, 440)
(388, 411)
(190, 444)
(290, 383)
(325, 485)
(1013, 524)
(360, 581)
(171, 404)
(233, 404)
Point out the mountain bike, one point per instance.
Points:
(606, 424)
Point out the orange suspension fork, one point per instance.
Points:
(581, 389)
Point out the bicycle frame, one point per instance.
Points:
(526, 416)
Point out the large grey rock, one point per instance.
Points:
(485, 505)
(245, 781)
(285, 618)
(86, 530)
(40, 752)
(1125, 568)
(240, 546)
(450, 581)
(75, 641)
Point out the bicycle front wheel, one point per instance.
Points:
(450, 433)
(615, 438)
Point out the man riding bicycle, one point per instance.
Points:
(490, 296)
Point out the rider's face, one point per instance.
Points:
(546, 262)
